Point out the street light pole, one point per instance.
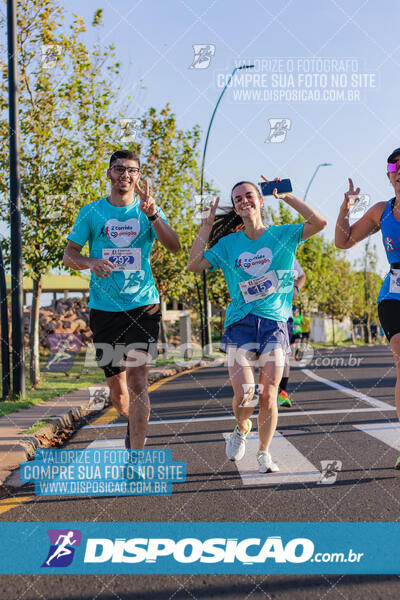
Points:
(313, 177)
(206, 333)
(18, 355)
(5, 336)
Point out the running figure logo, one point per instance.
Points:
(62, 547)
(203, 54)
(278, 129)
(359, 205)
(129, 130)
(63, 347)
(329, 471)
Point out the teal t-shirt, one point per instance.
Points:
(267, 262)
(122, 234)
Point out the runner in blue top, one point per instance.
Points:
(257, 263)
(384, 216)
(124, 302)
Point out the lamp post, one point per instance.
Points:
(5, 343)
(313, 177)
(206, 333)
(18, 360)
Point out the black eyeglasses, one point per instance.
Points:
(120, 169)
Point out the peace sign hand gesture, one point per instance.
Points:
(208, 214)
(351, 197)
(147, 202)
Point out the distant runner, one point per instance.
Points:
(300, 279)
(297, 324)
(257, 263)
(384, 216)
(125, 310)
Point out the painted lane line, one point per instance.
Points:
(289, 413)
(10, 503)
(337, 386)
(116, 443)
(294, 466)
(388, 433)
(110, 414)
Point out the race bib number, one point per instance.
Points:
(395, 282)
(124, 259)
(260, 287)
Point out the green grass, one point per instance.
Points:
(56, 384)
(36, 426)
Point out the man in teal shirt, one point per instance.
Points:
(124, 302)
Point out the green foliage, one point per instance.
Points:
(332, 285)
(66, 95)
(67, 132)
(337, 297)
(170, 162)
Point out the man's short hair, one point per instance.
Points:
(124, 154)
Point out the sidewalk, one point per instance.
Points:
(65, 414)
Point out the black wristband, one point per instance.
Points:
(154, 217)
(297, 288)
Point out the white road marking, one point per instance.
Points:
(116, 443)
(288, 413)
(388, 433)
(294, 466)
(337, 386)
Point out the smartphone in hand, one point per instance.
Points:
(267, 187)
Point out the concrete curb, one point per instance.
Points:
(54, 433)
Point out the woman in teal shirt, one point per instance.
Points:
(257, 263)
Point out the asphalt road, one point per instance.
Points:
(342, 415)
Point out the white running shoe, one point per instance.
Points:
(236, 443)
(265, 462)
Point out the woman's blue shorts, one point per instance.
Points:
(256, 334)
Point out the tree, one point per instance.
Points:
(372, 284)
(169, 157)
(66, 93)
(357, 307)
(170, 162)
(315, 257)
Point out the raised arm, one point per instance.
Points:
(314, 221)
(347, 236)
(197, 263)
(166, 235)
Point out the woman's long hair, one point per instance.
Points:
(229, 221)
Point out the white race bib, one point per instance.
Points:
(395, 281)
(260, 287)
(124, 259)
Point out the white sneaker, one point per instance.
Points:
(236, 443)
(265, 462)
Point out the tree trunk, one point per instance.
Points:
(353, 335)
(333, 330)
(34, 367)
(369, 336)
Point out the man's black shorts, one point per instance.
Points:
(115, 332)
